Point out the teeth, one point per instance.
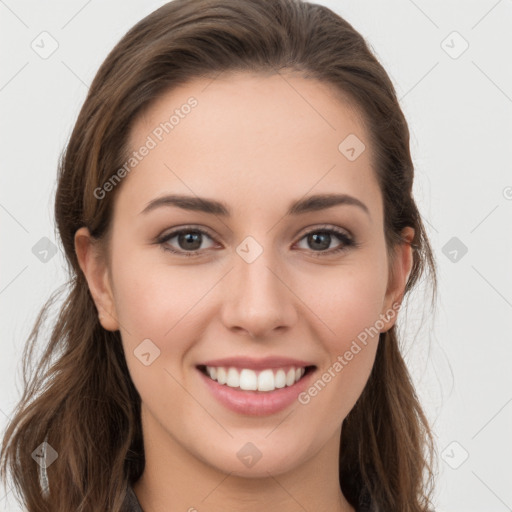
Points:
(290, 377)
(233, 380)
(280, 379)
(249, 380)
(221, 374)
(266, 380)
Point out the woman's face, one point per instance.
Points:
(260, 282)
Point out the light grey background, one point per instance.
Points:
(459, 109)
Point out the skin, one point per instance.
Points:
(256, 144)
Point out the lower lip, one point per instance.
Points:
(256, 403)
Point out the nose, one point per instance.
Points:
(260, 300)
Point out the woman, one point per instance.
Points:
(235, 203)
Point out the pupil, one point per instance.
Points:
(317, 237)
(188, 238)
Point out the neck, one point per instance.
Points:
(174, 479)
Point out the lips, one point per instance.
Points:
(256, 387)
(255, 402)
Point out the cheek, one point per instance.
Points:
(351, 300)
(351, 343)
(159, 303)
(350, 307)
(152, 297)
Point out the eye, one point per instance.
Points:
(320, 239)
(188, 239)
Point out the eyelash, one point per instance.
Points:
(347, 241)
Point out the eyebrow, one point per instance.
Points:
(309, 204)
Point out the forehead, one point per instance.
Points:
(251, 137)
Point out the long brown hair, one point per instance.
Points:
(80, 399)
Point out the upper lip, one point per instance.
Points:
(257, 364)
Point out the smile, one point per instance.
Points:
(247, 379)
(256, 392)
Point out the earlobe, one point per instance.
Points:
(94, 267)
(399, 276)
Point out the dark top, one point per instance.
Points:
(131, 503)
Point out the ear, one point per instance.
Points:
(398, 276)
(92, 261)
